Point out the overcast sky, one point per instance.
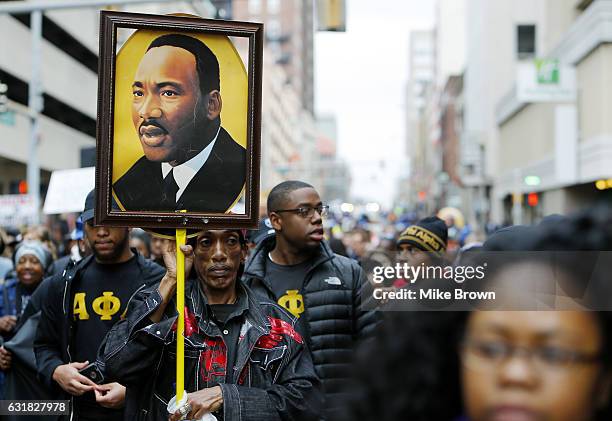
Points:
(361, 76)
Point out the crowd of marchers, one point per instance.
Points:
(275, 327)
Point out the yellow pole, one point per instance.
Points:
(181, 234)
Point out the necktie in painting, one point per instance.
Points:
(169, 191)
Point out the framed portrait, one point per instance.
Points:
(179, 122)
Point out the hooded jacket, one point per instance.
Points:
(332, 292)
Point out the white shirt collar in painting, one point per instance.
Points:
(185, 172)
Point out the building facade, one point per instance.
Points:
(499, 36)
(558, 150)
(415, 187)
(68, 118)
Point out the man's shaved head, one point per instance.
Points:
(280, 193)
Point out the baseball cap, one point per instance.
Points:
(77, 233)
(90, 206)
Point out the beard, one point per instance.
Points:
(115, 253)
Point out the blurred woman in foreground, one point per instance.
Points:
(502, 365)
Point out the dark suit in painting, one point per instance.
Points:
(215, 188)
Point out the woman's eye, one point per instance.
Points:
(491, 349)
(554, 355)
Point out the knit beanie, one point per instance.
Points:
(429, 234)
(34, 248)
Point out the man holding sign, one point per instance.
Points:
(243, 356)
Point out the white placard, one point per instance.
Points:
(68, 190)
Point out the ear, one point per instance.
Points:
(243, 254)
(213, 108)
(276, 221)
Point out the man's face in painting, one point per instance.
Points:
(168, 110)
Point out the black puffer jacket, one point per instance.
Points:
(332, 296)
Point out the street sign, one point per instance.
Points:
(546, 80)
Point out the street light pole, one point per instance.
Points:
(35, 106)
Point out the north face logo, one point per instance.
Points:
(332, 280)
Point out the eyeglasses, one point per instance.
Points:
(487, 355)
(308, 211)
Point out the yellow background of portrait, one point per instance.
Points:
(234, 94)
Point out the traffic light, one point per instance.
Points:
(3, 98)
(23, 187)
(533, 199)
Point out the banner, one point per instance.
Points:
(16, 210)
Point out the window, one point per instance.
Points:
(525, 41)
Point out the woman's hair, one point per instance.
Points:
(142, 235)
(411, 370)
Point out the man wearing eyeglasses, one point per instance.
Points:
(297, 269)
